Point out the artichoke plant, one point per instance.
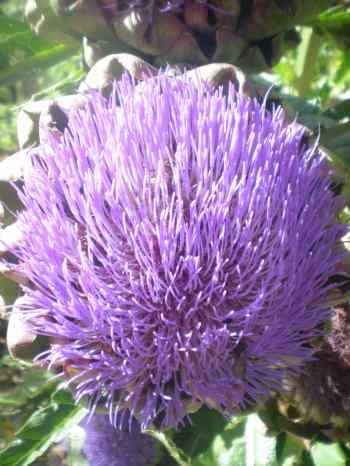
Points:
(179, 244)
(158, 227)
(251, 34)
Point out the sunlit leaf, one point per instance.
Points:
(260, 448)
(43, 428)
(328, 455)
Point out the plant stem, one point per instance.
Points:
(306, 61)
(175, 452)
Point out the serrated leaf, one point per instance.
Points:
(43, 428)
(328, 455)
(260, 448)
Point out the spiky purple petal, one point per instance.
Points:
(179, 247)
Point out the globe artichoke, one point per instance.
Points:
(251, 34)
(177, 244)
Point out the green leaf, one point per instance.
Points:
(337, 16)
(63, 396)
(36, 62)
(328, 455)
(292, 448)
(43, 428)
(306, 60)
(35, 387)
(337, 140)
(260, 448)
(340, 110)
(227, 448)
(195, 438)
(23, 53)
(15, 36)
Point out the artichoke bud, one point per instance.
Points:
(321, 394)
(249, 34)
(230, 46)
(150, 38)
(196, 17)
(43, 21)
(83, 17)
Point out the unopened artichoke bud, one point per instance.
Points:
(230, 46)
(43, 21)
(83, 18)
(68, 20)
(192, 32)
(22, 342)
(111, 68)
(322, 393)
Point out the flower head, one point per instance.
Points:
(127, 446)
(179, 243)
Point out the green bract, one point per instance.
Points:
(251, 34)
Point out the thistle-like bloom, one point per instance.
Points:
(179, 243)
(127, 446)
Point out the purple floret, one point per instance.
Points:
(179, 246)
(127, 446)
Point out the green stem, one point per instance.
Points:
(307, 60)
(175, 452)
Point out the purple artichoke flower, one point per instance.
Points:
(179, 244)
(106, 446)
